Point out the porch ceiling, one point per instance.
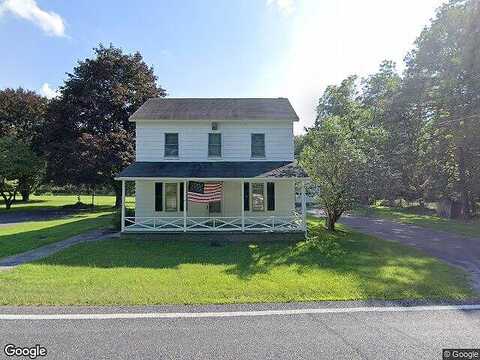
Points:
(212, 169)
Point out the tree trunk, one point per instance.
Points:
(24, 189)
(466, 211)
(330, 223)
(117, 186)
(8, 200)
(330, 220)
(25, 194)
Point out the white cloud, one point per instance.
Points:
(286, 7)
(48, 21)
(48, 92)
(332, 39)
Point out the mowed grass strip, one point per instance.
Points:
(136, 270)
(56, 202)
(425, 218)
(15, 239)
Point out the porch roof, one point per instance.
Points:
(212, 169)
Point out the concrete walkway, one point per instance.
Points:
(8, 263)
(457, 250)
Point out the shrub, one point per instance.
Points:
(327, 246)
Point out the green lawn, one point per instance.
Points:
(139, 270)
(423, 217)
(55, 202)
(29, 235)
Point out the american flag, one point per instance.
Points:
(199, 192)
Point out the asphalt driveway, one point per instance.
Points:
(457, 250)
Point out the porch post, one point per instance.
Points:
(123, 206)
(185, 206)
(243, 205)
(304, 208)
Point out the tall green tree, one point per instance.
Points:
(442, 75)
(89, 137)
(22, 115)
(335, 163)
(17, 161)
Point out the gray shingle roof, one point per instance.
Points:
(213, 169)
(215, 109)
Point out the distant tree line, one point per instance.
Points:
(80, 138)
(413, 135)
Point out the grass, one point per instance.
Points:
(423, 217)
(138, 270)
(56, 202)
(30, 235)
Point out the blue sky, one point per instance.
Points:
(218, 48)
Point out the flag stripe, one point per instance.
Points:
(205, 192)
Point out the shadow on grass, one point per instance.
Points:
(378, 268)
(20, 239)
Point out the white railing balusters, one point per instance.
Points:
(232, 223)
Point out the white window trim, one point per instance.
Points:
(264, 146)
(264, 197)
(165, 197)
(165, 156)
(221, 146)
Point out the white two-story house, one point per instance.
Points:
(214, 164)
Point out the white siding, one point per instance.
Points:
(231, 205)
(193, 139)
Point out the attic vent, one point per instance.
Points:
(214, 126)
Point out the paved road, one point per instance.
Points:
(344, 335)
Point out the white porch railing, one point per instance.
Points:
(272, 223)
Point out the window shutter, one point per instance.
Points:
(182, 188)
(271, 196)
(158, 196)
(246, 196)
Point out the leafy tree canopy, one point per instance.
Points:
(17, 161)
(89, 136)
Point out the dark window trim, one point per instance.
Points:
(246, 196)
(182, 198)
(158, 196)
(270, 196)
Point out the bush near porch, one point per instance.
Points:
(138, 270)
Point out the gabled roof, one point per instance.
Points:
(212, 169)
(215, 109)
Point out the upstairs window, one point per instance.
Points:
(258, 145)
(214, 145)
(171, 145)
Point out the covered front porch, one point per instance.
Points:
(249, 204)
